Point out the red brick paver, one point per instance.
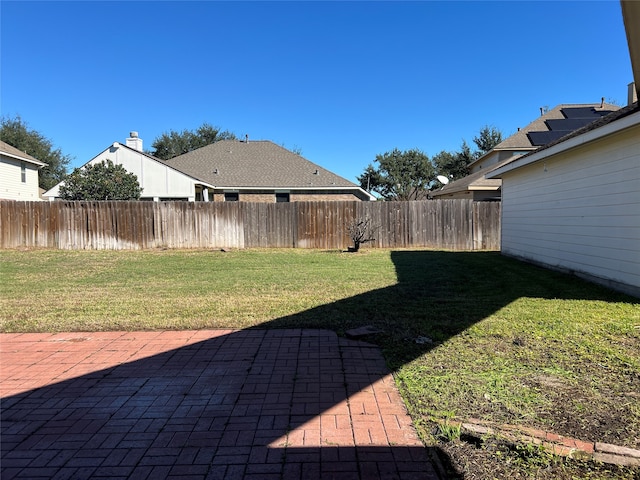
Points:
(251, 404)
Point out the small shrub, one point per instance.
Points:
(360, 231)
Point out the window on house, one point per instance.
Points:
(23, 172)
(231, 196)
(282, 197)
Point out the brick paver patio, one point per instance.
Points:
(251, 404)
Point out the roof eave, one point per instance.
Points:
(631, 17)
(449, 191)
(295, 188)
(482, 188)
(38, 163)
(469, 188)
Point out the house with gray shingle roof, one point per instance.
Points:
(18, 174)
(261, 171)
(549, 127)
(158, 180)
(228, 170)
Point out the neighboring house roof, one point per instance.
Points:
(54, 191)
(615, 121)
(552, 125)
(548, 128)
(256, 164)
(474, 181)
(232, 164)
(13, 152)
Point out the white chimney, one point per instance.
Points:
(134, 142)
(632, 94)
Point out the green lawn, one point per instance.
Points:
(508, 342)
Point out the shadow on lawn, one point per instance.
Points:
(255, 403)
(438, 295)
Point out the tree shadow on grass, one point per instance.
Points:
(267, 402)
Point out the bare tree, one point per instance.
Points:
(360, 231)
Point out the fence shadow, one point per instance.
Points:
(261, 403)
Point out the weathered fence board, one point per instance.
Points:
(446, 224)
(486, 226)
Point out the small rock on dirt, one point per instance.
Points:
(362, 331)
(423, 340)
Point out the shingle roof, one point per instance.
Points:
(601, 122)
(473, 181)
(562, 119)
(14, 152)
(258, 163)
(521, 141)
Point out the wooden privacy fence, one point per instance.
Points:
(444, 224)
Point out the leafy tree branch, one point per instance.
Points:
(172, 144)
(101, 181)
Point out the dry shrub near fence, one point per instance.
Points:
(444, 224)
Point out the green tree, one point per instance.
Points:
(488, 138)
(448, 164)
(370, 178)
(101, 181)
(400, 175)
(17, 133)
(171, 144)
(454, 165)
(465, 155)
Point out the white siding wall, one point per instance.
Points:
(11, 185)
(157, 180)
(579, 210)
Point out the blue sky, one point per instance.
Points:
(340, 81)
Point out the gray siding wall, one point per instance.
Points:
(579, 211)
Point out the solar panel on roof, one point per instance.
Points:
(568, 124)
(542, 138)
(583, 112)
